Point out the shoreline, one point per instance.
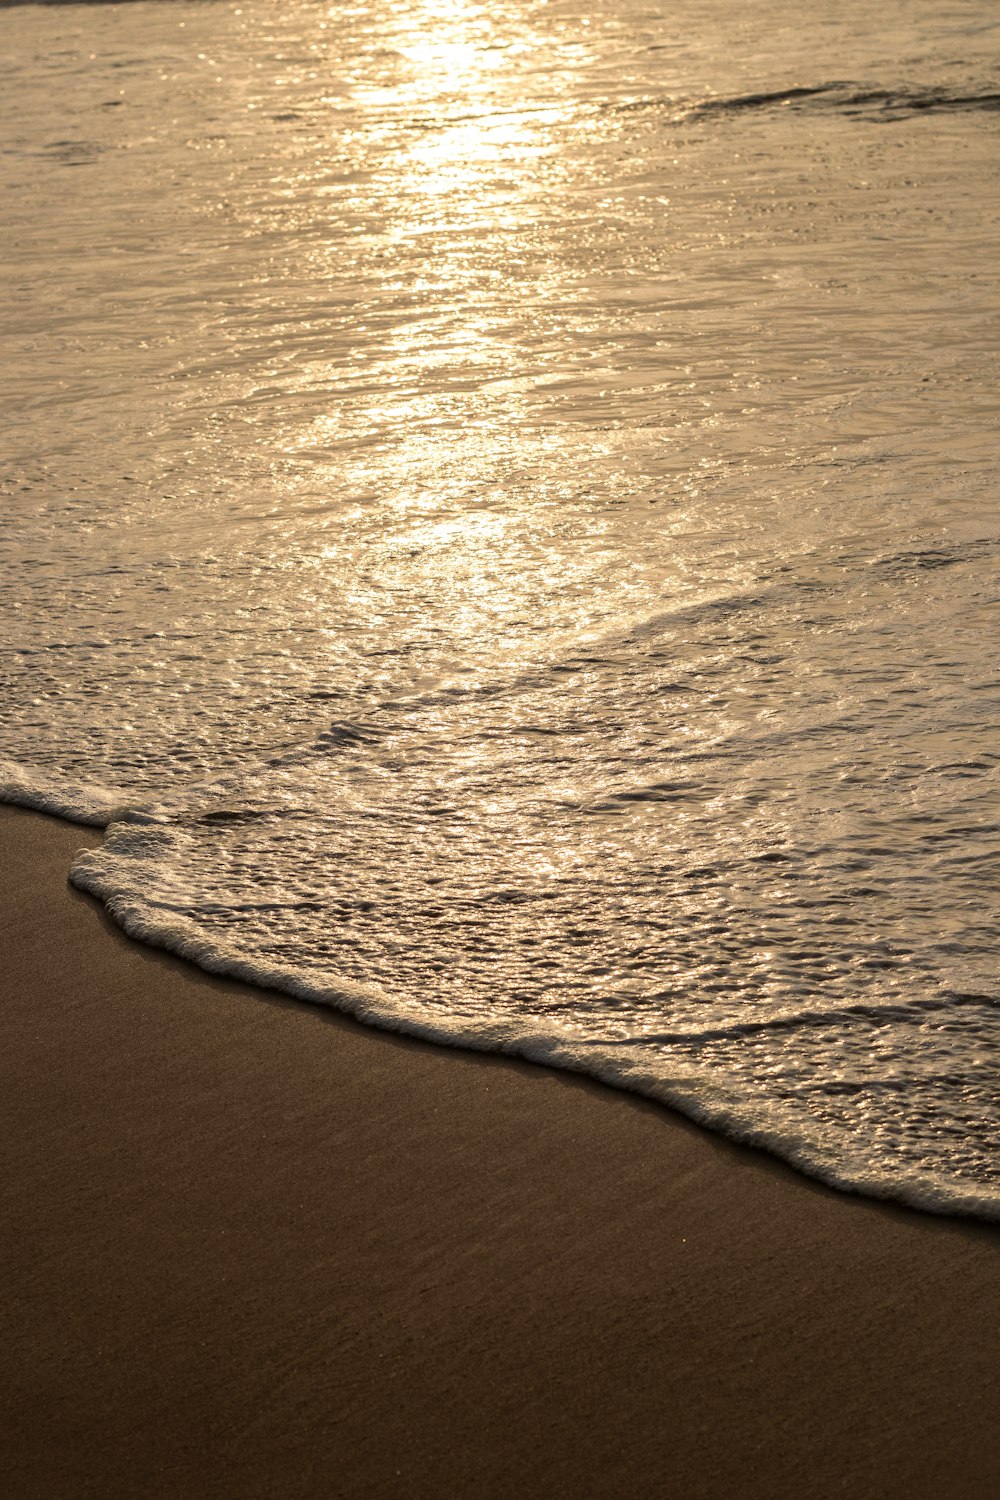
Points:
(256, 1248)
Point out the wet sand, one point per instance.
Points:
(254, 1249)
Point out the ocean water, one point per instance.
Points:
(500, 521)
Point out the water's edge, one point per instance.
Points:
(695, 1094)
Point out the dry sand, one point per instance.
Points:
(254, 1249)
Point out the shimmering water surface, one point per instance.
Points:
(500, 516)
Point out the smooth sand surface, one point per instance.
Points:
(254, 1249)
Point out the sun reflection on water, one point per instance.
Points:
(443, 381)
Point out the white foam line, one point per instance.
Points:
(698, 1094)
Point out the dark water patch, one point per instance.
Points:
(889, 103)
(929, 559)
(768, 100)
(232, 817)
(70, 153)
(657, 792)
(845, 98)
(344, 733)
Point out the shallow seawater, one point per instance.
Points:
(500, 517)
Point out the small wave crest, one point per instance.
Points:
(77, 801)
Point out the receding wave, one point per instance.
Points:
(796, 1099)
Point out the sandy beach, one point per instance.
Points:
(254, 1249)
